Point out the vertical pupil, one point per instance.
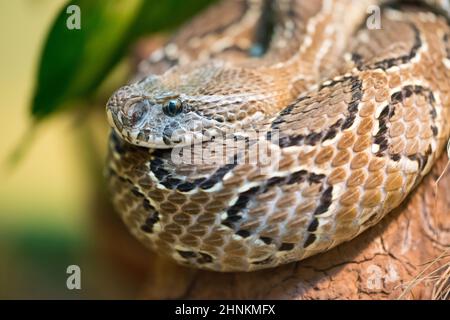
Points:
(172, 106)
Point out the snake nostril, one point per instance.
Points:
(135, 114)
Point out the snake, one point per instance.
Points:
(264, 132)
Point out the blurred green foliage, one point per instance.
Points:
(51, 229)
(75, 62)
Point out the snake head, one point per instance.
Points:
(154, 119)
(186, 105)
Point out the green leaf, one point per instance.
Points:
(157, 16)
(75, 62)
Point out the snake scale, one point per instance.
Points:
(265, 132)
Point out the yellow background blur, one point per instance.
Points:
(49, 177)
(45, 198)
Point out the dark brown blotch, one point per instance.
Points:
(285, 246)
(309, 240)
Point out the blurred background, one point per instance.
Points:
(54, 207)
(54, 210)
(45, 198)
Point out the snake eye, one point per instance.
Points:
(172, 107)
(136, 114)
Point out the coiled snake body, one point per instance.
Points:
(350, 118)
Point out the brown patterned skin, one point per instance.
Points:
(348, 150)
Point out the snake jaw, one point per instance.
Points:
(140, 119)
